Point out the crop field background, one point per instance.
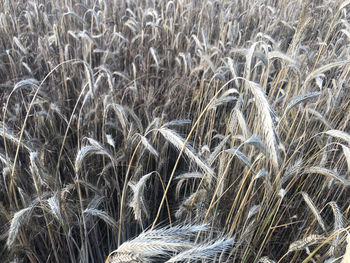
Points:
(174, 131)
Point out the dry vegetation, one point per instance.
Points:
(175, 131)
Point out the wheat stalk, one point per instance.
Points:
(329, 173)
(19, 218)
(339, 135)
(313, 209)
(305, 242)
(266, 122)
(176, 140)
(156, 243)
(203, 251)
(266, 260)
(338, 224)
(138, 203)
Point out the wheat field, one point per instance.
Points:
(175, 131)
